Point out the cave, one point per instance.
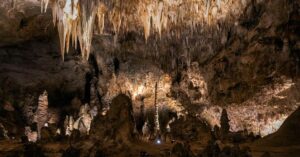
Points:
(149, 78)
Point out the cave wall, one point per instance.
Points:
(31, 67)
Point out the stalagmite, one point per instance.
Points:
(28, 109)
(94, 112)
(41, 114)
(168, 127)
(224, 122)
(3, 131)
(83, 109)
(53, 116)
(156, 115)
(68, 125)
(32, 136)
(83, 123)
(58, 132)
(71, 123)
(146, 130)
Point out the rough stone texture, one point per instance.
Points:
(256, 55)
(119, 122)
(20, 20)
(27, 69)
(286, 135)
(190, 129)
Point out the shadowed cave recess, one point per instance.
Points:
(149, 78)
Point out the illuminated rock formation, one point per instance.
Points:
(75, 19)
(41, 114)
(32, 136)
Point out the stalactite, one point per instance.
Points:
(145, 17)
(85, 30)
(74, 21)
(219, 3)
(207, 8)
(115, 18)
(101, 17)
(157, 17)
(44, 5)
(75, 18)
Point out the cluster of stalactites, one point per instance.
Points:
(75, 18)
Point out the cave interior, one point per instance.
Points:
(149, 78)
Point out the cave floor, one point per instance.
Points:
(282, 151)
(134, 148)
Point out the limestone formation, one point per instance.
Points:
(41, 114)
(31, 135)
(149, 77)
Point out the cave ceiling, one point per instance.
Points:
(80, 20)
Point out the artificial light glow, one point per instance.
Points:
(158, 141)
